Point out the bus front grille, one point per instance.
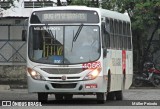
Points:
(62, 70)
(61, 78)
(56, 85)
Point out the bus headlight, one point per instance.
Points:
(93, 74)
(35, 75)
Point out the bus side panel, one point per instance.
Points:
(129, 69)
(105, 72)
(119, 70)
(114, 63)
(110, 55)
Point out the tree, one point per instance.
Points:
(80, 2)
(145, 19)
(9, 3)
(59, 3)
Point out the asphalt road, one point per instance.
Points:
(138, 96)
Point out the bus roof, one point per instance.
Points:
(114, 15)
(102, 12)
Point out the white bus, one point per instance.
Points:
(79, 50)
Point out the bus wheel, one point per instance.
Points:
(42, 97)
(68, 96)
(58, 96)
(101, 98)
(110, 95)
(119, 95)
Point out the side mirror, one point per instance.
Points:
(104, 52)
(24, 35)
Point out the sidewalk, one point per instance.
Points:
(13, 86)
(4, 87)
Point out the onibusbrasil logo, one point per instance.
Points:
(21, 103)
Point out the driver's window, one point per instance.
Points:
(106, 33)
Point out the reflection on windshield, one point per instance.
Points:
(55, 45)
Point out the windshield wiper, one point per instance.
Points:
(77, 33)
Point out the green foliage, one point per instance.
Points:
(11, 3)
(81, 2)
(143, 10)
(144, 15)
(144, 20)
(115, 5)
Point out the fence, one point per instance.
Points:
(13, 52)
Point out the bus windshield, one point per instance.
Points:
(57, 45)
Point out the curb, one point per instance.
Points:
(18, 86)
(4, 87)
(144, 88)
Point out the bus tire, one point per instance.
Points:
(119, 95)
(42, 97)
(101, 98)
(58, 96)
(68, 96)
(110, 95)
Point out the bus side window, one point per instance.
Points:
(108, 40)
(125, 39)
(107, 28)
(129, 36)
(120, 35)
(128, 29)
(116, 34)
(112, 34)
(105, 33)
(124, 35)
(129, 43)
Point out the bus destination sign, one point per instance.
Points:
(64, 17)
(69, 16)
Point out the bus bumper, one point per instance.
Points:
(75, 87)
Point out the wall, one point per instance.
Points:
(3, 32)
(12, 32)
(12, 48)
(13, 75)
(12, 52)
